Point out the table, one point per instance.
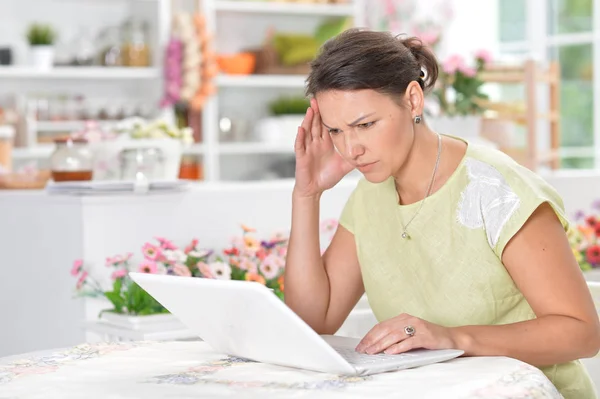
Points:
(146, 369)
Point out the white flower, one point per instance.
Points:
(198, 254)
(220, 270)
(271, 266)
(176, 256)
(161, 269)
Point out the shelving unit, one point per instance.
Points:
(252, 92)
(88, 73)
(104, 87)
(265, 7)
(285, 16)
(262, 81)
(254, 148)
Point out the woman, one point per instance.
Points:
(456, 245)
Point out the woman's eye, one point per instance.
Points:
(366, 125)
(334, 131)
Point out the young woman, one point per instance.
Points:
(456, 245)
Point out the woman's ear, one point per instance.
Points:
(416, 98)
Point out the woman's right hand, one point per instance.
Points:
(319, 166)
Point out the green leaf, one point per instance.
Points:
(116, 299)
(238, 274)
(117, 285)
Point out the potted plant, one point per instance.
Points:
(286, 114)
(246, 258)
(459, 92)
(584, 237)
(41, 39)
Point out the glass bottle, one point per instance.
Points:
(71, 160)
(141, 164)
(136, 50)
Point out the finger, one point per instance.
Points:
(373, 336)
(394, 337)
(379, 331)
(299, 146)
(316, 127)
(306, 125)
(414, 342)
(307, 121)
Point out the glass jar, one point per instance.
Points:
(72, 160)
(136, 50)
(110, 54)
(7, 136)
(190, 168)
(141, 164)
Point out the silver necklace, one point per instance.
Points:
(405, 235)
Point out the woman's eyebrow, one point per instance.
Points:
(353, 123)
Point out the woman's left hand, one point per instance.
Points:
(393, 336)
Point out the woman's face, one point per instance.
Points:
(369, 129)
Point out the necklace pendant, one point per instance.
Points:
(405, 235)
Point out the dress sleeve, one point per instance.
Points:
(527, 191)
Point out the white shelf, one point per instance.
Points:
(79, 73)
(37, 152)
(272, 7)
(194, 149)
(44, 151)
(255, 148)
(66, 126)
(277, 81)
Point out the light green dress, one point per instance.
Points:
(450, 272)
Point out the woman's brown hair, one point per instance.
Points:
(360, 59)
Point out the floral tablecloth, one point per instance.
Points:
(194, 370)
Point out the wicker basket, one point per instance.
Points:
(267, 63)
(20, 181)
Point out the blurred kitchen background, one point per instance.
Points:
(83, 79)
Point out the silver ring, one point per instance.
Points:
(409, 330)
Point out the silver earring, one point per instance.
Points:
(418, 119)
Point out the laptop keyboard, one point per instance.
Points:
(353, 357)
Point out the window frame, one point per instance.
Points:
(538, 43)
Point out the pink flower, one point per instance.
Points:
(117, 274)
(191, 246)
(282, 252)
(77, 266)
(271, 266)
(248, 265)
(468, 71)
(151, 252)
(261, 254)
(453, 63)
(81, 280)
(181, 270)
(205, 270)
(484, 55)
(329, 225)
(429, 38)
(148, 266)
(166, 244)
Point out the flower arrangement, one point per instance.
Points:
(459, 90)
(408, 17)
(584, 238)
(247, 258)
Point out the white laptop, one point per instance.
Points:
(247, 320)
